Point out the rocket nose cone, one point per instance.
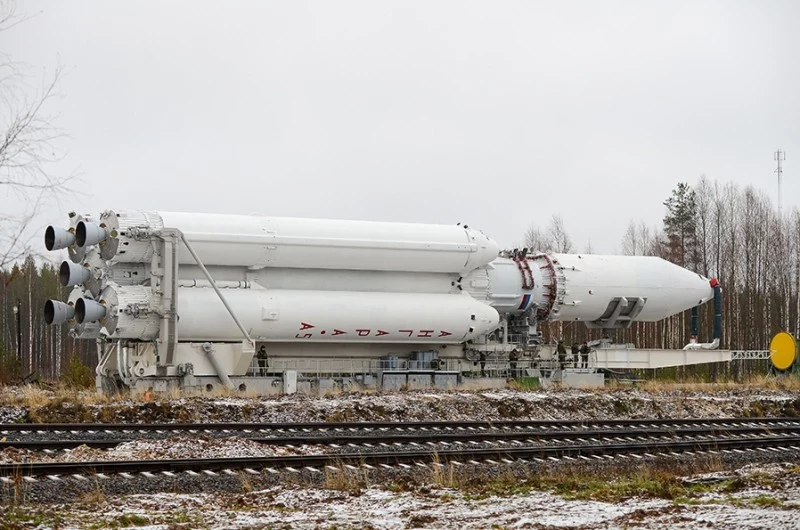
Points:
(700, 285)
(684, 288)
(708, 291)
(594, 284)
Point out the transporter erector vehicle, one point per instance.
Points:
(189, 299)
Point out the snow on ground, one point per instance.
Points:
(289, 507)
(413, 406)
(771, 501)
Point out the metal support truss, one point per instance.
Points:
(749, 355)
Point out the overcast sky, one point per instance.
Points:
(498, 114)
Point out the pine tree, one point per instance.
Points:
(680, 226)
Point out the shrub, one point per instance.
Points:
(10, 367)
(76, 374)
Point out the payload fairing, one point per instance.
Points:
(150, 282)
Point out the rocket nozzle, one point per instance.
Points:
(56, 312)
(87, 310)
(73, 274)
(88, 233)
(58, 238)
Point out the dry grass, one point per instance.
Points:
(583, 481)
(342, 478)
(247, 486)
(34, 396)
(443, 475)
(789, 382)
(95, 496)
(757, 382)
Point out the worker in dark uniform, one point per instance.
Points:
(482, 360)
(562, 354)
(513, 357)
(584, 355)
(576, 352)
(263, 360)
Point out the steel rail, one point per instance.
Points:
(441, 436)
(296, 462)
(241, 426)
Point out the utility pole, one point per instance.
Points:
(780, 156)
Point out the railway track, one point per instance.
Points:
(388, 444)
(9, 473)
(9, 428)
(397, 434)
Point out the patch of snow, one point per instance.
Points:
(438, 508)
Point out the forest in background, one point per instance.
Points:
(718, 230)
(43, 350)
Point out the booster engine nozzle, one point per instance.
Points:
(88, 233)
(73, 274)
(58, 238)
(56, 312)
(87, 310)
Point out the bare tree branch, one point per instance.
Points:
(558, 236)
(29, 147)
(8, 15)
(536, 240)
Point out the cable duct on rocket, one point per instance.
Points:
(222, 284)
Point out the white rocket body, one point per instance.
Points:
(256, 242)
(592, 282)
(327, 281)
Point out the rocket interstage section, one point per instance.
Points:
(257, 242)
(509, 285)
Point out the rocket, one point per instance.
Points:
(295, 281)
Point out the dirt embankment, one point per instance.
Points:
(58, 407)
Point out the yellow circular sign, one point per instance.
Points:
(782, 350)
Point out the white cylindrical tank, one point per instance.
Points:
(345, 280)
(591, 283)
(312, 316)
(257, 242)
(569, 287)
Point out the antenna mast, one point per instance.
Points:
(780, 156)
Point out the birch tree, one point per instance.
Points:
(560, 241)
(30, 145)
(536, 240)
